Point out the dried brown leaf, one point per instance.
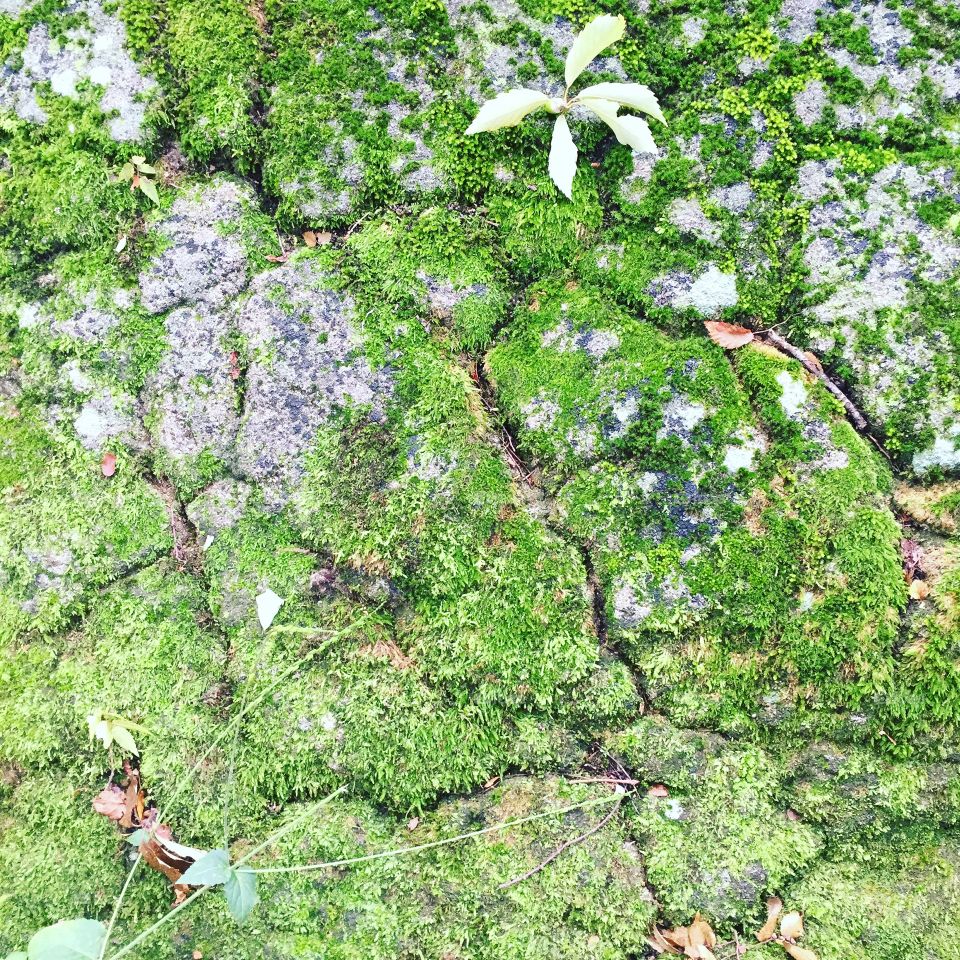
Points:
(814, 360)
(766, 932)
(728, 335)
(919, 590)
(791, 925)
(658, 790)
(110, 802)
(799, 953)
(701, 933)
(324, 238)
(108, 465)
(660, 943)
(309, 238)
(274, 259)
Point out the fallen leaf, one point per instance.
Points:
(728, 335)
(491, 783)
(324, 238)
(793, 815)
(659, 942)
(766, 932)
(309, 238)
(268, 605)
(658, 790)
(413, 824)
(799, 953)
(912, 554)
(108, 465)
(274, 259)
(121, 244)
(110, 802)
(791, 925)
(704, 932)
(919, 590)
(197, 955)
(234, 365)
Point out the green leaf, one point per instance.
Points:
(138, 160)
(126, 172)
(241, 893)
(150, 189)
(137, 837)
(597, 35)
(210, 870)
(563, 157)
(68, 940)
(146, 168)
(123, 738)
(507, 110)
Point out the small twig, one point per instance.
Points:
(858, 419)
(627, 782)
(565, 846)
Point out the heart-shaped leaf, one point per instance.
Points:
(597, 35)
(68, 940)
(563, 157)
(507, 110)
(210, 870)
(241, 893)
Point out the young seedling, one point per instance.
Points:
(604, 100)
(138, 172)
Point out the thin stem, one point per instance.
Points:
(233, 724)
(399, 851)
(286, 828)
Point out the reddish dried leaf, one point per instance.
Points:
(660, 943)
(309, 238)
(701, 932)
(658, 790)
(728, 335)
(793, 815)
(912, 554)
(110, 802)
(108, 465)
(234, 365)
(281, 259)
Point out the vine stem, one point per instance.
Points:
(170, 914)
(233, 724)
(400, 851)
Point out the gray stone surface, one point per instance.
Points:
(95, 52)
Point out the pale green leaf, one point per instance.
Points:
(17, 955)
(631, 131)
(597, 35)
(138, 160)
(126, 172)
(211, 869)
(68, 940)
(123, 738)
(146, 168)
(241, 893)
(137, 837)
(149, 188)
(507, 110)
(563, 157)
(103, 731)
(121, 244)
(633, 95)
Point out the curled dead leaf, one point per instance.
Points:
(728, 335)
(108, 465)
(791, 925)
(766, 932)
(701, 933)
(110, 802)
(309, 238)
(659, 942)
(799, 953)
(658, 790)
(919, 590)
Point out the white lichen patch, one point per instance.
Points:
(95, 52)
(794, 395)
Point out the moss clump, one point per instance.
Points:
(65, 529)
(724, 846)
(446, 901)
(58, 859)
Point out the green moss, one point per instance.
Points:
(65, 529)
(58, 859)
